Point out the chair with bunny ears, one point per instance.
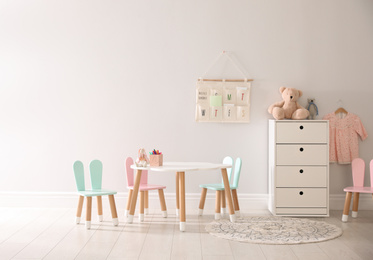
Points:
(95, 169)
(358, 172)
(143, 189)
(220, 205)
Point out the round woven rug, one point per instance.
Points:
(274, 230)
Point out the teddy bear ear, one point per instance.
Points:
(282, 89)
(300, 93)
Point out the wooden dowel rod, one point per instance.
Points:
(227, 80)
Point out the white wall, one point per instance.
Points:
(81, 80)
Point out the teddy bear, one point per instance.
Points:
(314, 111)
(288, 108)
(142, 159)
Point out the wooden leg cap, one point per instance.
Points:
(77, 220)
(232, 218)
(223, 211)
(200, 212)
(100, 218)
(164, 214)
(126, 213)
(141, 217)
(130, 219)
(238, 213)
(88, 224)
(182, 226)
(115, 221)
(354, 214)
(217, 216)
(344, 218)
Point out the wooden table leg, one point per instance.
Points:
(146, 203)
(129, 199)
(134, 196)
(177, 195)
(142, 205)
(228, 194)
(182, 200)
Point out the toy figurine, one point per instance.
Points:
(312, 108)
(142, 159)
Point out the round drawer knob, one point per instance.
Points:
(301, 170)
(301, 149)
(301, 127)
(301, 193)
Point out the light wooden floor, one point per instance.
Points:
(29, 233)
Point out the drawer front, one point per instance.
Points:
(301, 211)
(301, 132)
(301, 154)
(301, 197)
(301, 176)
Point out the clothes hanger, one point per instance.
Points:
(340, 109)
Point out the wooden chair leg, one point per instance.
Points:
(142, 202)
(223, 204)
(99, 208)
(202, 201)
(177, 195)
(235, 202)
(88, 213)
(113, 209)
(129, 199)
(355, 205)
(217, 204)
(146, 202)
(79, 209)
(346, 208)
(182, 201)
(163, 203)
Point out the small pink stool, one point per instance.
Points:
(143, 189)
(358, 171)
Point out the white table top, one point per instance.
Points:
(183, 166)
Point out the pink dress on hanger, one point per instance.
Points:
(344, 130)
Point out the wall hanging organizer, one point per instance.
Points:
(223, 100)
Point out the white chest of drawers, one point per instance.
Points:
(298, 167)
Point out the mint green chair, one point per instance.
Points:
(220, 205)
(95, 168)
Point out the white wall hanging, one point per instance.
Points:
(223, 100)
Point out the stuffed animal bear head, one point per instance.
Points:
(290, 94)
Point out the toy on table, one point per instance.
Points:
(288, 108)
(142, 159)
(156, 158)
(312, 108)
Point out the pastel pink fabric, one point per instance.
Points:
(344, 132)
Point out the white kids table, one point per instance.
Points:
(180, 168)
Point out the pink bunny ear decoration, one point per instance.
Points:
(142, 159)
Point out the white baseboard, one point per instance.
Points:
(70, 200)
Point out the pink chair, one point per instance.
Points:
(143, 189)
(358, 171)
